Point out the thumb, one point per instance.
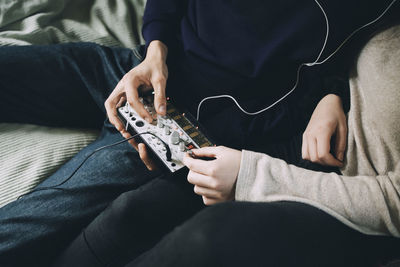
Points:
(209, 152)
(160, 102)
(145, 157)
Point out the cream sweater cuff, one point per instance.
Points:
(246, 176)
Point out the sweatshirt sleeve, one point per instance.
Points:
(368, 204)
(161, 21)
(338, 84)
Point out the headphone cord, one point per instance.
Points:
(56, 187)
(316, 62)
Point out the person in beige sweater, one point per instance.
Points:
(366, 195)
(363, 197)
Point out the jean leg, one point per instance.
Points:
(64, 85)
(38, 225)
(61, 85)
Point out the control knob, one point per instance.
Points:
(182, 146)
(167, 130)
(175, 138)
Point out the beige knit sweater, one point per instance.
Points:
(367, 196)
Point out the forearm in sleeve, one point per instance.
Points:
(161, 20)
(368, 204)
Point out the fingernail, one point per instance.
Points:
(149, 120)
(341, 156)
(190, 154)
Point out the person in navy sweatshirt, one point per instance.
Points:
(251, 51)
(272, 61)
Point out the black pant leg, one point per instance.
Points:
(133, 223)
(268, 234)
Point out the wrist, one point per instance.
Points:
(332, 98)
(157, 50)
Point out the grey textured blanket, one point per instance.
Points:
(107, 22)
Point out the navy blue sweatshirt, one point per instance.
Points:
(252, 50)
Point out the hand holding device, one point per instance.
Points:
(214, 180)
(151, 74)
(169, 137)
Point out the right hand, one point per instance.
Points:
(152, 73)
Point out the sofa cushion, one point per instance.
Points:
(30, 153)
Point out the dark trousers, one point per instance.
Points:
(268, 234)
(228, 234)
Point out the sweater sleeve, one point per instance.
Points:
(161, 21)
(368, 204)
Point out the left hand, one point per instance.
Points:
(328, 120)
(214, 180)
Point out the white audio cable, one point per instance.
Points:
(316, 62)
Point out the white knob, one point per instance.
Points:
(174, 138)
(182, 146)
(166, 130)
(126, 108)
